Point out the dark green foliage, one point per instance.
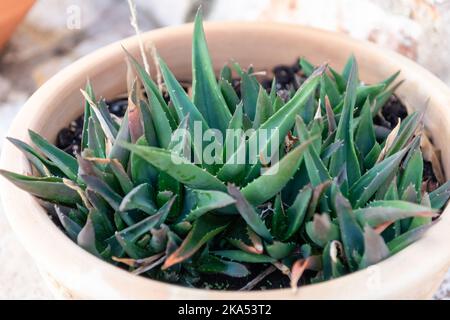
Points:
(137, 195)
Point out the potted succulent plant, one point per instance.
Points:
(233, 184)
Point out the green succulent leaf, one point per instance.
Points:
(392, 192)
(96, 139)
(44, 166)
(407, 238)
(104, 228)
(134, 117)
(167, 188)
(233, 137)
(382, 211)
(406, 132)
(206, 201)
(140, 170)
(51, 189)
(279, 123)
(117, 151)
(264, 108)
(440, 196)
(241, 256)
(329, 89)
(147, 124)
(339, 79)
(279, 250)
(249, 214)
(72, 228)
(121, 175)
(86, 238)
(131, 234)
(372, 180)
(100, 112)
(422, 220)
(181, 146)
(371, 158)
(321, 230)
(410, 194)
(183, 105)
(375, 249)
(306, 66)
(99, 186)
(65, 162)
(206, 94)
(351, 233)
(249, 91)
(364, 93)
(349, 68)
(275, 178)
(329, 150)
(332, 262)
(162, 119)
(317, 171)
(229, 94)
(279, 219)
(365, 134)
(213, 265)
(179, 168)
(297, 212)
(383, 98)
(347, 154)
(103, 110)
(87, 115)
(139, 198)
(413, 173)
(226, 73)
(389, 80)
(131, 249)
(204, 229)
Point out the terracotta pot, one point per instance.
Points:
(416, 272)
(11, 14)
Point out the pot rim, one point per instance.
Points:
(42, 238)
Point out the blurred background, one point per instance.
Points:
(39, 38)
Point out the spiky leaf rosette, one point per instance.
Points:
(343, 195)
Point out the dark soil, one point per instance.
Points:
(69, 139)
(429, 178)
(393, 110)
(390, 113)
(287, 78)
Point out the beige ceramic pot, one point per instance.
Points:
(11, 13)
(416, 272)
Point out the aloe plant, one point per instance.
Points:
(338, 198)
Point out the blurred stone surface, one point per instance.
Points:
(19, 277)
(57, 32)
(417, 29)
